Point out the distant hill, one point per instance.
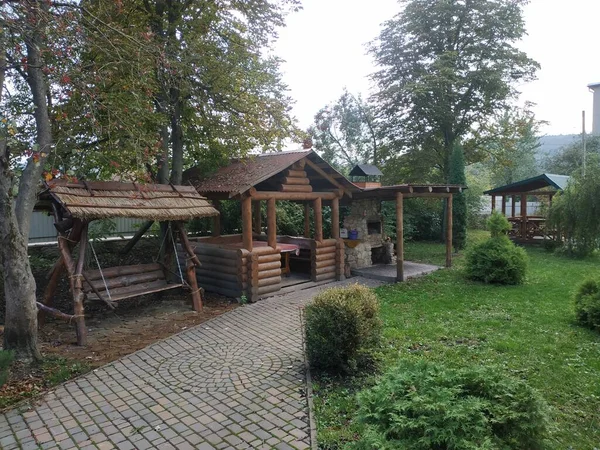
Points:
(550, 145)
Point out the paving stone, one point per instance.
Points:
(232, 382)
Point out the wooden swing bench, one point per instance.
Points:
(74, 205)
(123, 282)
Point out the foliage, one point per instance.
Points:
(569, 159)
(422, 219)
(343, 329)
(345, 133)
(526, 330)
(424, 405)
(575, 214)
(587, 304)
(496, 261)
(459, 207)
(478, 182)
(498, 224)
(446, 68)
(6, 359)
(512, 153)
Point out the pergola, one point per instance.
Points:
(398, 193)
(525, 226)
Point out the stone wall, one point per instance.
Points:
(361, 212)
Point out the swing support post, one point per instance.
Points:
(192, 263)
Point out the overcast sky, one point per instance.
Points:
(324, 49)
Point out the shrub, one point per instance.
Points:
(343, 329)
(6, 358)
(498, 224)
(428, 406)
(496, 261)
(587, 304)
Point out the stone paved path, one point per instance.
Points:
(236, 381)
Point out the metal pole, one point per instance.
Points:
(583, 139)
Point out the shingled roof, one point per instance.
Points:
(107, 199)
(242, 174)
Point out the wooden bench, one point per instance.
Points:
(126, 282)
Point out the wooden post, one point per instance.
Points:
(271, 223)
(399, 236)
(192, 263)
(493, 203)
(78, 294)
(256, 217)
(216, 220)
(523, 216)
(504, 205)
(247, 223)
(317, 206)
(514, 205)
(307, 220)
(449, 232)
(335, 218)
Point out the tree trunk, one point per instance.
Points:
(20, 331)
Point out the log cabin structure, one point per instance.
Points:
(252, 263)
(527, 227)
(75, 205)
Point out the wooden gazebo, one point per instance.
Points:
(527, 227)
(251, 263)
(75, 205)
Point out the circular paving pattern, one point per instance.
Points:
(225, 366)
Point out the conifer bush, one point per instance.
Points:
(587, 304)
(497, 260)
(343, 329)
(424, 405)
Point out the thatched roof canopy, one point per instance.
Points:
(107, 199)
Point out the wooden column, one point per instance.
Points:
(504, 205)
(192, 263)
(317, 206)
(335, 218)
(493, 203)
(216, 220)
(523, 216)
(271, 223)
(256, 217)
(514, 205)
(307, 220)
(78, 294)
(399, 236)
(247, 223)
(449, 231)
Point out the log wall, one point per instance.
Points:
(264, 272)
(324, 260)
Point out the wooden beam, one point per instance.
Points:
(427, 195)
(247, 223)
(513, 205)
(256, 217)
(297, 196)
(335, 218)
(399, 236)
(504, 205)
(307, 220)
(523, 216)
(78, 294)
(271, 223)
(449, 232)
(327, 176)
(318, 211)
(216, 220)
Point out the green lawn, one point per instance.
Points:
(527, 331)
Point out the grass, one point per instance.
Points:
(526, 331)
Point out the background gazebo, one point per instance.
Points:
(527, 226)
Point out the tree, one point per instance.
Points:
(459, 204)
(345, 132)
(446, 68)
(23, 24)
(569, 159)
